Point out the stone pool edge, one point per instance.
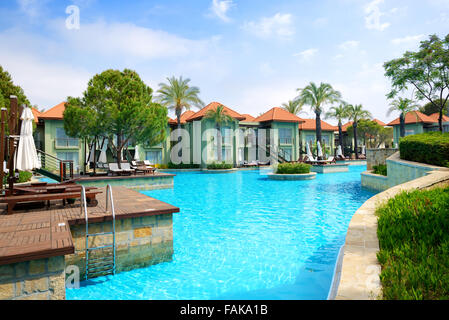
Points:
(357, 266)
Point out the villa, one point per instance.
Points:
(290, 134)
(418, 122)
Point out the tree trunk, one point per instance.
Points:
(355, 139)
(219, 145)
(318, 126)
(95, 158)
(340, 135)
(178, 118)
(402, 124)
(440, 119)
(119, 150)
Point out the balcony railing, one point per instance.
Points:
(66, 143)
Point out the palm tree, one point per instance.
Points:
(294, 107)
(317, 97)
(404, 106)
(340, 113)
(177, 95)
(356, 113)
(220, 117)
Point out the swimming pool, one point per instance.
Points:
(242, 236)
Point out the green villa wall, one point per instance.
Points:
(416, 127)
(49, 142)
(294, 145)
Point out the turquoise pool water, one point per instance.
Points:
(241, 236)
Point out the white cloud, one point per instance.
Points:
(306, 55)
(408, 39)
(351, 44)
(279, 25)
(220, 9)
(126, 39)
(373, 15)
(44, 83)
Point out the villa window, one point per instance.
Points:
(310, 138)
(154, 156)
(225, 135)
(285, 136)
(325, 139)
(64, 141)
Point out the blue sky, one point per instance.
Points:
(249, 55)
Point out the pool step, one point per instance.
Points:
(105, 264)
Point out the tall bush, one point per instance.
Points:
(430, 147)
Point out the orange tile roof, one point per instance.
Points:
(36, 114)
(212, 106)
(380, 122)
(344, 127)
(248, 118)
(414, 117)
(436, 116)
(310, 124)
(183, 117)
(55, 113)
(279, 115)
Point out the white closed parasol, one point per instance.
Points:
(26, 152)
(320, 151)
(136, 153)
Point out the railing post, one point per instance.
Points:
(61, 171)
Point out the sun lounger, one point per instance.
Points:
(11, 201)
(250, 164)
(114, 169)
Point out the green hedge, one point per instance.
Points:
(430, 147)
(414, 245)
(293, 168)
(24, 176)
(218, 166)
(182, 166)
(380, 169)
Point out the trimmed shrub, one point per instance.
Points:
(293, 168)
(430, 147)
(218, 166)
(414, 245)
(24, 176)
(171, 165)
(380, 169)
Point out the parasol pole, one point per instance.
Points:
(2, 142)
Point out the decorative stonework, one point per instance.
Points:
(140, 242)
(375, 157)
(359, 278)
(302, 176)
(42, 279)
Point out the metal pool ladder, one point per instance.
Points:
(104, 264)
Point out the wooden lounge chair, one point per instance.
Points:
(250, 164)
(126, 168)
(12, 200)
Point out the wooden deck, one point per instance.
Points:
(42, 233)
(79, 178)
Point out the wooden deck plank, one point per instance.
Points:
(39, 233)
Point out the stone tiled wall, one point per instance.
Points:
(42, 279)
(375, 157)
(140, 242)
(360, 269)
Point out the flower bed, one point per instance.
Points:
(414, 245)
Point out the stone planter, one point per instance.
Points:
(329, 168)
(301, 176)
